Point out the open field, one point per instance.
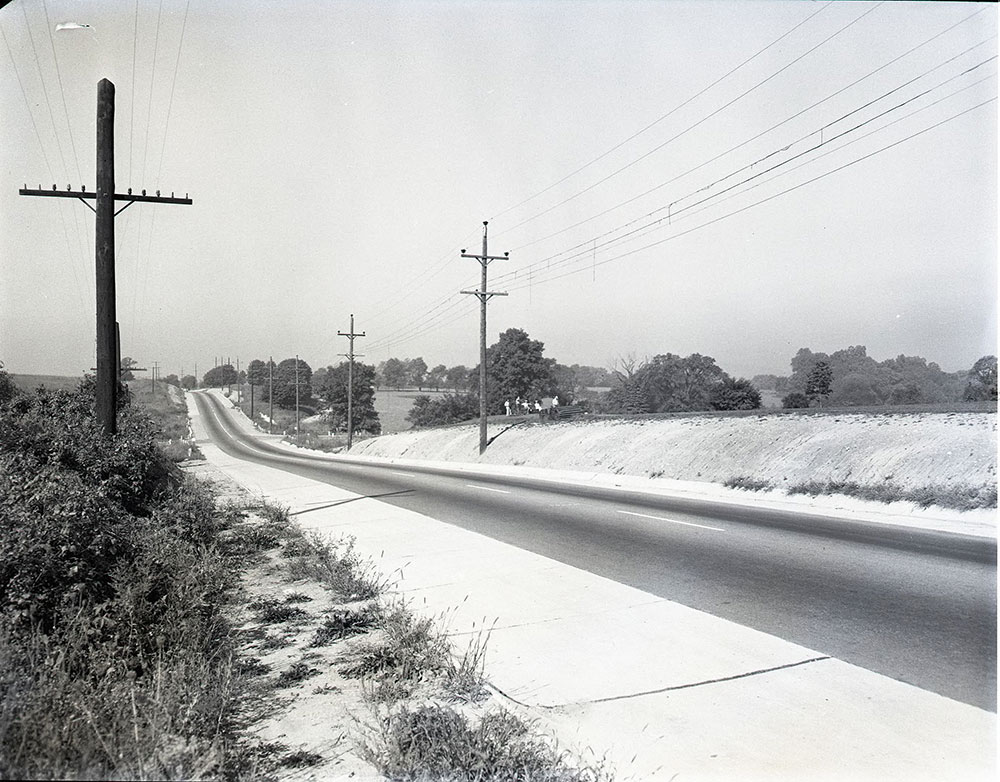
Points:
(53, 382)
(392, 407)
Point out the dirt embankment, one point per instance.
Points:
(911, 450)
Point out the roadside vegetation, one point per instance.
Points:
(963, 497)
(141, 637)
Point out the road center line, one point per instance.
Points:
(487, 488)
(672, 521)
(406, 474)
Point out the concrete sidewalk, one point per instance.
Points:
(662, 690)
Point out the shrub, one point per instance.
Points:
(437, 742)
(448, 409)
(795, 400)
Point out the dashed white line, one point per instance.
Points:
(672, 521)
(487, 488)
(405, 474)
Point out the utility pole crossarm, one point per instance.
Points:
(82, 194)
(485, 295)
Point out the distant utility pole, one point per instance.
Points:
(152, 378)
(270, 394)
(104, 242)
(239, 385)
(296, 396)
(483, 295)
(350, 379)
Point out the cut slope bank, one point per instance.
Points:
(909, 450)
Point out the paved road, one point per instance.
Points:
(919, 607)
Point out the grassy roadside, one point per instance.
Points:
(329, 643)
(964, 497)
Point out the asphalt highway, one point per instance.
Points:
(917, 606)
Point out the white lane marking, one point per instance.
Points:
(487, 488)
(672, 521)
(407, 474)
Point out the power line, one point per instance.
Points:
(585, 246)
(759, 135)
(435, 323)
(656, 122)
(694, 125)
(774, 196)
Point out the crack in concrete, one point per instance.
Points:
(628, 696)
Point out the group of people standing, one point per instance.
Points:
(524, 407)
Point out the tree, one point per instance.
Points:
(172, 380)
(189, 382)
(457, 377)
(819, 381)
(331, 386)
(515, 367)
(855, 390)
(393, 373)
(668, 383)
(795, 400)
(217, 377)
(982, 379)
(416, 369)
(436, 376)
(126, 366)
(735, 395)
(257, 372)
(284, 383)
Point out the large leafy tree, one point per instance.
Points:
(284, 383)
(436, 376)
(820, 382)
(516, 367)
(393, 372)
(331, 386)
(735, 395)
(668, 383)
(222, 375)
(416, 371)
(457, 377)
(982, 379)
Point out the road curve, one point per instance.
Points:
(917, 606)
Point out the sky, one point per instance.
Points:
(736, 178)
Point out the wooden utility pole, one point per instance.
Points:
(152, 378)
(108, 367)
(483, 295)
(296, 396)
(270, 394)
(350, 380)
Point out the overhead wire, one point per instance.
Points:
(776, 195)
(533, 280)
(672, 111)
(752, 138)
(696, 124)
(585, 246)
(41, 144)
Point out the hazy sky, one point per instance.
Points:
(738, 179)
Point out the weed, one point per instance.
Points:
(295, 673)
(341, 623)
(336, 565)
(272, 642)
(961, 497)
(300, 759)
(409, 652)
(747, 483)
(297, 597)
(438, 742)
(253, 667)
(272, 611)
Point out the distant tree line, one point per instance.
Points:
(850, 378)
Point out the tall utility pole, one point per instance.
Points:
(152, 378)
(239, 385)
(270, 394)
(296, 396)
(104, 242)
(350, 380)
(483, 295)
